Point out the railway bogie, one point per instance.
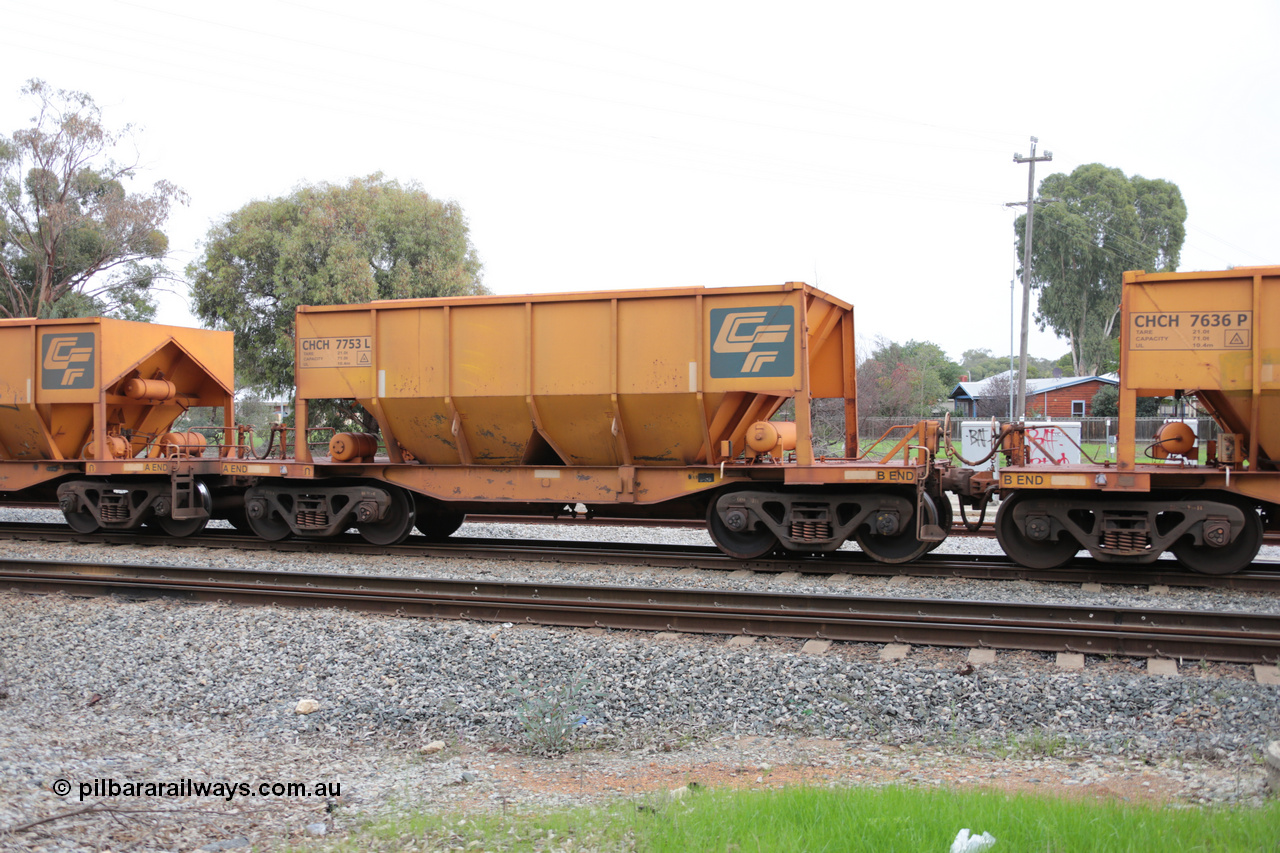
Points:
(1213, 534)
(383, 514)
(748, 523)
(181, 506)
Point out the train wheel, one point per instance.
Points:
(1030, 553)
(1228, 559)
(398, 523)
(739, 544)
(81, 521)
(436, 520)
(180, 527)
(904, 547)
(946, 515)
(263, 521)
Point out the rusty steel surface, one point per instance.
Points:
(1235, 637)
(1264, 577)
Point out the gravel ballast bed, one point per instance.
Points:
(106, 688)
(248, 666)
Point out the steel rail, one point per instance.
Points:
(1264, 577)
(1198, 635)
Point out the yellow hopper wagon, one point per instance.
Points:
(661, 403)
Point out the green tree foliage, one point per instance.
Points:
(371, 239)
(980, 364)
(904, 380)
(1099, 224)
(1106, 404)
(73, 241)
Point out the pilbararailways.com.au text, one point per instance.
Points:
(104, 788)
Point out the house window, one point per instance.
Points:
(1077, 408)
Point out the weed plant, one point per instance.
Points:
(552, 715)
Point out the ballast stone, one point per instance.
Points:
(895, 651)
(1271, 756)
(1071, 661)
(1162, 666)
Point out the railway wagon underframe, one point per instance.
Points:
(747, 516)
(1211, 340)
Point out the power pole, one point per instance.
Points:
(1026, 272)
(1011, 392)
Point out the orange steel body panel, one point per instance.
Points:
(649, 378)
(62, 389)
(1212, 334)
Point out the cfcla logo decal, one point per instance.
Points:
(757, 341)
(67, 361)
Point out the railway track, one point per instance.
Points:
(1263, 577)
(1197, 635)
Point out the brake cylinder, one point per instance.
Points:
(349, 446)
(149, 389)
(182, 443)
(772, 437)
(117, 447)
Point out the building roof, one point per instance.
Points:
(976, 390)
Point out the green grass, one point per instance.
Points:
(821, 819)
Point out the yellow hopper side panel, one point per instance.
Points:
(600, 379)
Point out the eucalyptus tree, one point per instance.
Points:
(74, 240)
(324, 244)
(1095, 224)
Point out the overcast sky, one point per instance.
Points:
(865, 148)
